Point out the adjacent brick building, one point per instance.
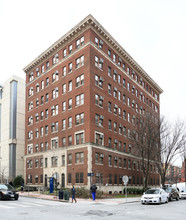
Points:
(82, 94)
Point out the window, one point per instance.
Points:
(124, 147)
(46, 146)
(109, 53)
(119, 79)
(80, 119)
(109, 124)
(63, 88)
(37, 133)
(70, 86)
(30, 149)
(64, 52)
(119, 162)
(30, 91)
(47, 64)
(79, 138)
(79, 177)
(80, 80)
(129, 164)
(115, 75)
(115, 161)
(41, 131)
(63, 106)
(128, 86)
(124, 114)
(119, 95)
(55, 76)
(115, 127)
(54, 143)
(109, 142)
(30, 120)
(114, 58)
(37, 87)
(80, 42)
(99, 100)
(55, 93)
(128, 101)
(110, 179)
(64, 142)
(63, 160)
(69, 158)
(70, 122)
(128, 70)
(110, 160)
(99, 138)
(99, 120)
(64, 71)
(70, 104)
(79, 61)
(69, 178)
(69, 140)
(109, 71)
(109, 107)
(42, 84)
(63, 124)
(124, 163)
(54, 161)
(36, 163)
(70, 67)
(80, 99)
(42, 68)
(42, 100)
(46, 97)
(79, 157)
(99, 62)
(109, 89)
(46, 113)
(46, 129)
(47, 81)
(70, 49)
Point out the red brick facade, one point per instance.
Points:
(87, 108)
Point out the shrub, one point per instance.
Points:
(18, 180)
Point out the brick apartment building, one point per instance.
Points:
(82, 94)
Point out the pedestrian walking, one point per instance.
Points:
(22, 187)
(73, 191)
(93, 189)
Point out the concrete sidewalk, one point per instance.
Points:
(105, 201)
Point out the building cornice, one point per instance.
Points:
(91, 22)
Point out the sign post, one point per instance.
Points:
(125, 180)
(90, 174)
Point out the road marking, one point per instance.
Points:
(15, 204)
(33, 204)
(6, 207)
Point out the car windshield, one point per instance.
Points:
(152, 191)
(167, 190)
(5, 187)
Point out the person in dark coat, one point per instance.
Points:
(93, 189)
(73, 191)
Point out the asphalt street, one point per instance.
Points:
(34, 209)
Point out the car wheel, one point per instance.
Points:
(159, 202)
(143, 203)
(177, 198)
(16, 197)
(170, 199)
(1, 197)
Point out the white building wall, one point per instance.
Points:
(5, 127)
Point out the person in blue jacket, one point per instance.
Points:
(93, 189)
(73, 191)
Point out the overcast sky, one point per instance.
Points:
(153, 32)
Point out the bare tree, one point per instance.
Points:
(172, 142)
(145, 140)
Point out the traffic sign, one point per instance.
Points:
(125, 179)
(90, 174)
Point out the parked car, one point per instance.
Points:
(183, 194)
(8, 192)
(154, 196)
(172, 193)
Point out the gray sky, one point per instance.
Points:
(153, 32)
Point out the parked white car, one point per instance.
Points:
(183, 194)
(154, 196)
